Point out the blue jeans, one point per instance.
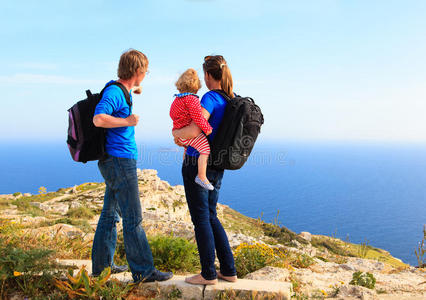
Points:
(209, 232)
(121, 199)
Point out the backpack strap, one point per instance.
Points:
(126, 93)
(123, 89)
(223, 94)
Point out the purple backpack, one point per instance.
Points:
(85, 141)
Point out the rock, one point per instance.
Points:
(41, 206)
(359, 292)
(65, 230)
(297, 244)
(27, 195)
(179, 190)
(176, 286)
(347, 267)
(75, 204)
(246, 288)
(364, 265)
(269, 274)
(59, 208)
(31, 220)
(237, 238)
(163, 185)
(306, 235)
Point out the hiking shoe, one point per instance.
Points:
(158, 276)
(119, 269)
(205, 184)
(115, 269)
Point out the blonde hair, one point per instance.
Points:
(130, 62)
(188, 82)
(217, 67)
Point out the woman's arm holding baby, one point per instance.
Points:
(192, 130)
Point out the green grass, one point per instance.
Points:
(82, 212)
(233, 220)
(174, 254)
(282, 234)
(342, 248)
(332, 245)
(89, 186)
(4, 203)
(24, 206)
(79, 223)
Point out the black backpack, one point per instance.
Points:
(86, 141)
(237, 133)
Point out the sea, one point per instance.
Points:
(364, 192)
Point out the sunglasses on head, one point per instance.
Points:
(208, 57)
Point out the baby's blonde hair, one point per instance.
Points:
(188, 82)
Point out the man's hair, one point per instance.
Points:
(188, 82)
(130, 62)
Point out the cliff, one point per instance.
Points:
(315, 265)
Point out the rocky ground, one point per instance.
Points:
(165, 212)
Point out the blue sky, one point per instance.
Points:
(320, 70)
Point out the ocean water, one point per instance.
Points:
(361, 192)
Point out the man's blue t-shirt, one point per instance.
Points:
(215, 104)
(120, 141)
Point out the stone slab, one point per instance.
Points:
(177, 285)
(251, 287)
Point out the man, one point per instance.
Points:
(119, 171)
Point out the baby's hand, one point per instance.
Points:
(137, 90)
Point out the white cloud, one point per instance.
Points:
(36, 65)
(28, 78)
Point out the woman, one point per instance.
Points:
(209, 232)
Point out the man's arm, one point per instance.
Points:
(192, 130)
(107, 121)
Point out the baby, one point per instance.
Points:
(187, 108)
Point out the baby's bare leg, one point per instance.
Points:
(202, 166)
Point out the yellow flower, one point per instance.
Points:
(323, 292)
(16, 273)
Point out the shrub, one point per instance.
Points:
(331, 245)
(281, 234)
(15, 235)
(252, 257)
(302, 261)
(81, 212)
(174, 254)
(27, 271)
(363, 249)
(421, 250)
(363, 279)
(83, 286)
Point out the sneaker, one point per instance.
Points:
(205, 184)
(158, 276)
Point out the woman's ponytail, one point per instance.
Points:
(216, 66)
(226, 81)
